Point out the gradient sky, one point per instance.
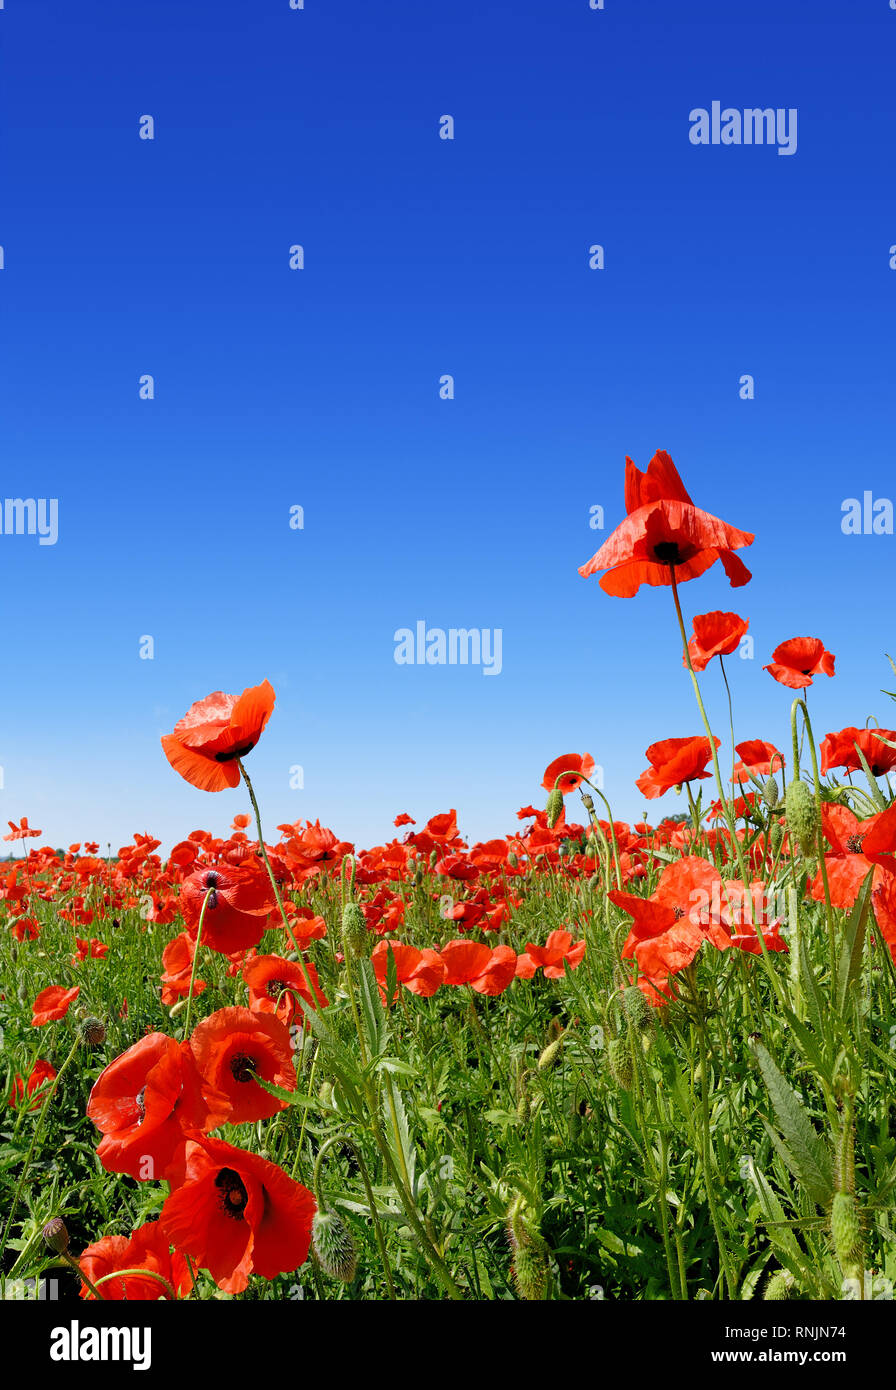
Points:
(320, 387)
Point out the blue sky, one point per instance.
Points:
(320, 387)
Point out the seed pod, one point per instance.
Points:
(802, 814)
(619, 1060)
(354, 930)
(334, 1246)
(554, 807)
(55, 1235)
(846, 1229)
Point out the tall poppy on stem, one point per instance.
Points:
(215, 733)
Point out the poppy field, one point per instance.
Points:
(583, 1060)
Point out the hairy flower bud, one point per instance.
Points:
(637, 1009)
(354, 930)
(619, 1060)
(549, 1056)
(770, 794)
(554, 807)
(802, 814)
(334, 1246)
(530, 1253)
(846, 1230)
(778, 1286)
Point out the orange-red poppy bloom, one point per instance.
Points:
(474, 964)
(757, 759)
(856, 849)
(664, 530)
(838, 750)
(571, 768)
(276, 985)
(797, 660)
(145, 1102)
(42, 1072)
(237, 1214)
(239, 907)
(748, 911)
(671, 925)
(422, 972)
(23, 831)
(673, 761)
(715, 634)
(216, 731)
(556, 956)
(147, 1249)
(235, 1045)
(52, 1003)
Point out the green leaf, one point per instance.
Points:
(853, 943)
(807, 1157)
(294, 1097)
(876, 792)
(371, 1008)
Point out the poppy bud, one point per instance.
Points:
(418, 875)
(334, 1246)
(637, 1009)
(594, 882)
(554, 807)
(512, 860)
(778, 1286)
(770, 793)
(530, 1262)
(325, 1094)
(177, 1008)
(619, 1060)
(55, 1235)
(354, 930)
(549, 1055)
(93, 1031)
(433, 858)
(845, 1228)
(776, 837)
(801, 813)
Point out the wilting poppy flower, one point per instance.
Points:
(715, 634)
(148, 1248)
(757, 758)
(838, 750)
(40, 1073)
(471, 963)
(52, 1003)
(235, 1045)
(275, 985)
(671, 925)
(673, 761)
(240, 902)
(663, 529)
(571, 768)
(237, 1214)
(145, 1102)
(215, 732)
(556, 955)
(796, 661)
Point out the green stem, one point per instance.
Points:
(371, 1201)
(195, 961)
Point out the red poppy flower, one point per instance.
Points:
(52, 1003)
(92, 949)
(715, 634)
(237, 1214)
(23, 831)
(177, 958)
(240, 902)
(422, 972)
(857, 848)
(796, 661)
(215, 732)
(756, 760)
(571, 768)
(673, 761)
(404, 819)
(838, 750)
(276, 985)
(746, 912)
(663, 529)
(40, 1073)
(671, 925)
(144, 1103)
(148, 1248)
(557, 953)
(234, 1045)
(472, 963)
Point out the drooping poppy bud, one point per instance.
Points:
(334, 1246)
(801, 814)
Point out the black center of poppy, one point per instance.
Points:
(668, 553)
(276, 988)
(234, 753)
(679, 912)
(854, 843)
(242, 1067)
(211, 880)
(233, 1194)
